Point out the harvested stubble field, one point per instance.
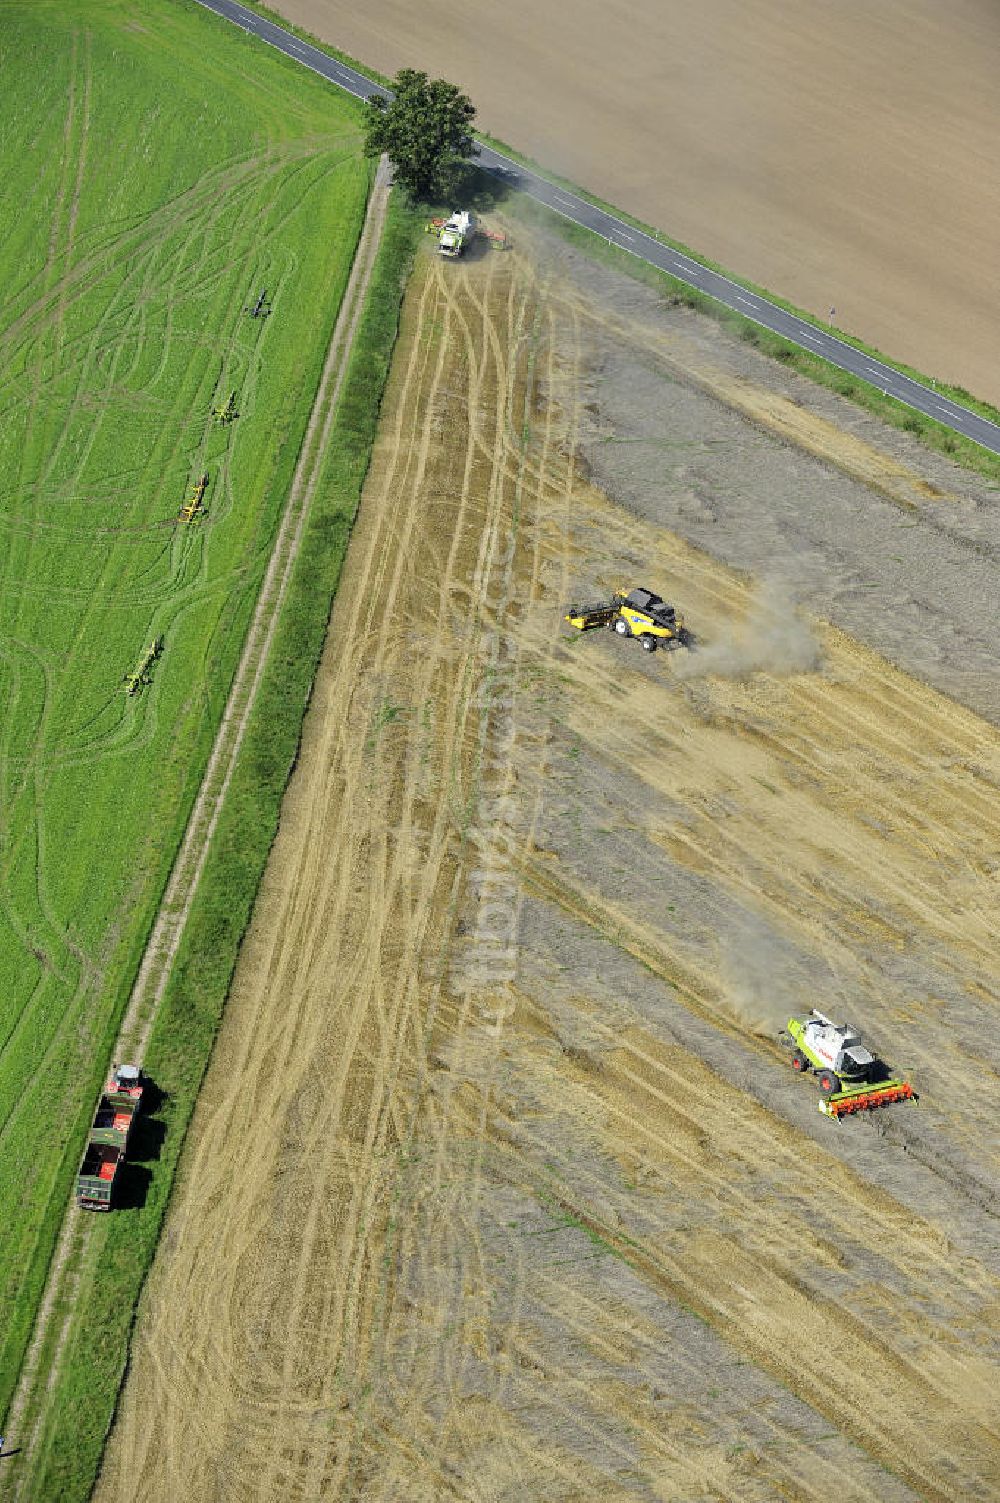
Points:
(151, 185)
(499, 1186)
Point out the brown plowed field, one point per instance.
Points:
(841, 155)
(499, 1187)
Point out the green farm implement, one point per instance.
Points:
(142, 675)
(226, 413)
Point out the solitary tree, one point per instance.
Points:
(424, 131)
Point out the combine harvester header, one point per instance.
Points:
(850, 1077)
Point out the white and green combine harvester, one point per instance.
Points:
(456, 233)
(851, 1078)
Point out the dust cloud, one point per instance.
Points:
(759, 987)
(773, 637)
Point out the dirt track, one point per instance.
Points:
(498, 1187)
(839, 155)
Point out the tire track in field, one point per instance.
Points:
(897, 1409)
(546, 470)
(63, 1287)
(45, 293)
(512, 1236)
(56, 937)
(146, 267)
(773, 411)
(447, 1234)
(479, 367)
(32, 773)
(812, 854)
(399, 901)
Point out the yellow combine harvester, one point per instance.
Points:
(634, 613)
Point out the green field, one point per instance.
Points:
(159, 169)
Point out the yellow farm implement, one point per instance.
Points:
(193, 507)
(226, 413)
(142, 675)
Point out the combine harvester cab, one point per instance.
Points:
(646, 616)
(851, 1078)
(108, 1140)
(456, 233)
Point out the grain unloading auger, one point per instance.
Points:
(851, 1078)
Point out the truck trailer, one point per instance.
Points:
(108, 1139)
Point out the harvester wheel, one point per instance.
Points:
(828, 1082)
(622, 627)
(647, 643)
(799, 1062)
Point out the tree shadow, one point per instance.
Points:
(480, 190)
(153, 1098)
(469, 186)
(149, 1130)
(145, 1145)
(145, 1142)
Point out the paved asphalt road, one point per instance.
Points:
(797, 330)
